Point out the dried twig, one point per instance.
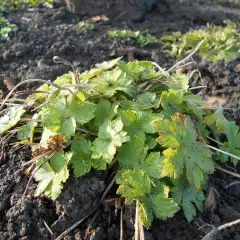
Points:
(4, 143)
(214, 140)
(136, 232)
(48, 228)
(30, 92)
(210, 235)
(232, 184)
(121, 224)
(197, 87)
(30, 81)
(38, 157)
(228, 172)
(32, 175)
(86, 131)
(178, 64)
(161, 69)
(224, 152)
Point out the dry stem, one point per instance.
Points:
(211, 234)
(30, 81)
(178, 64)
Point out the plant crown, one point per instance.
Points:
(146, 122)
(141, 38)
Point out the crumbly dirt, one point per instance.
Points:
(44, 33)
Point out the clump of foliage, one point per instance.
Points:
(6, 28)
(220, 43)
(6, 6)
(12, 5)
(86, 26)
(141, 38)
(147, 123)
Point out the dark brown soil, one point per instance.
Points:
(44, 33)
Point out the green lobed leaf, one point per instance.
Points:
(110, 136)
(56, 118)
(162, 206)
(137, 123)
(110, 82)
(152, 201)
(184, 153)
(59, 160)
(50, 183)
(81, 159)
(145, 101)
(134, 184)
(26, 131)
(179, 81)
(139, 70)
(105, 111)
(188, 198)
(230, 130)
(134, 155)
(172, 101)
(108, 64)
(81, 111)
(11, 117)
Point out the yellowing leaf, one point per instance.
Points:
(184, 154)
(107, 65)
(134, 184)
(50, 183)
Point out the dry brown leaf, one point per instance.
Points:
(214, 102)
(99, 18)
(237, 68)
(210, 201)
(130, 56)
(55, 143)
(181, 70)
(8, 82)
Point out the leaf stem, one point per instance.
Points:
(87, 131)
(32, 175)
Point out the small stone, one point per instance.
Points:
(215, 219)
(237, 68)
(6, 55)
